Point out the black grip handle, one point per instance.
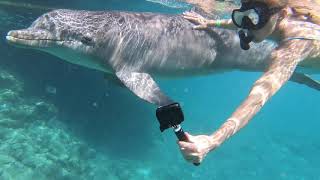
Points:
(182, 137)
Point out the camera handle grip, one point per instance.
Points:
(182, 137)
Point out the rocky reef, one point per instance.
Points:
(35, 144)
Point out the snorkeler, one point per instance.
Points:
(295, 26)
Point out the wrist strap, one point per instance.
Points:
(218, 23)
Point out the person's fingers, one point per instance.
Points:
(189, 13)
(190, 137)
(195, 14)
(194, 19)
(186, 12)
(190, 18)
(186, 155)
(188, 151)
(197, 27)
(200, 27)
(192, 15)
(191, 152)
(197, 160)
(183, 144)
(190, 147)
(190, 156)
(193, 159)
(189, 159)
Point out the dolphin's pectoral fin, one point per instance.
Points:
(142, 85)
(113, 79)
(306, 80)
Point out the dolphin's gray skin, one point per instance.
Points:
(136, 46)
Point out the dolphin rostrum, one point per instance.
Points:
(136, 46)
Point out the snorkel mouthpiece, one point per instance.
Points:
(245, 39)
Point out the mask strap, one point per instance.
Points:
(275, 10)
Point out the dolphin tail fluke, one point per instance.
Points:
(142, 85)
(305, 80)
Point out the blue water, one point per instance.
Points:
(281, 142)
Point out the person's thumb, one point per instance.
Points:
(189, 137)
(199, 27)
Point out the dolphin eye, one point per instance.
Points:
(87, 40)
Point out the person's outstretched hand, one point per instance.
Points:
(197, 147)
(202, 23)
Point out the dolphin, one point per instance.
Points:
(135, 47)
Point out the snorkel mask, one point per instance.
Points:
(251, 16)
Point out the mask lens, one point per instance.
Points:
(253, 16)
(250, 14)
(237, 17)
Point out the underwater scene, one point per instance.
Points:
(62, 121)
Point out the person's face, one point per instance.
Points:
(267, 30)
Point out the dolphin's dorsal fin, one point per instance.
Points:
(305, 80)
(142, 85)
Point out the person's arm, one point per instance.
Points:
(204, 23)
(222, 23)
(283, 63)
